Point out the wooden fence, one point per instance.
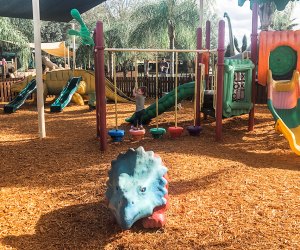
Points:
(165, 84)
(6, 95)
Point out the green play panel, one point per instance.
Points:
(283, 61)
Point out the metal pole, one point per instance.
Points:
(156, 89)
(159, 50)
(68, 57)
(195, 88)
(176, 84)
(254, 52)
(65, 54)
(136, 72)
(100, 83)
(220, 79)
(74, 48)
(198, 68)
(38, 64)
(207, 46)
(115, 93)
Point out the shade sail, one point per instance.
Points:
(55, 49)
(50, 10)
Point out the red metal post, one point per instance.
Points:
(199, 47)
(100, 86)
(207, 46)
(220, 79)
(254, 58)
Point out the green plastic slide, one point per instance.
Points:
(66, 94)
(184, 91)
(19, 100)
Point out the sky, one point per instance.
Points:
(241, 17)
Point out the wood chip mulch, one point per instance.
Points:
(241, 193)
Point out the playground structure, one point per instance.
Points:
(279, 67)
(223, 105)
(185, 90)
(60, 83)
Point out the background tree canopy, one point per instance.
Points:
(280, 4)
(136, 23)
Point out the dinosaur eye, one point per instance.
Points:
(143, 189)
(117, 188)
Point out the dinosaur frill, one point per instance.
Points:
(137, 188)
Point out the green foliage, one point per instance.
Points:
(54, 32)
(244, 44)
(14, 41)
(280, 4)
(25, 26)
(282, 20)
(236, 45)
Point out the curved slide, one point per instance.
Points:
(19, 100)
(166, 102)
(284, 104)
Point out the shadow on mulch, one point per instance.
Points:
(84, 226)
(186, 186)
(73, 227)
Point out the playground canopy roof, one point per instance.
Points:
(50, 10)
(55, 49)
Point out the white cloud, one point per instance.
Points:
(241, 18)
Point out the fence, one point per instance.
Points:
(165, 84)
(6, 95)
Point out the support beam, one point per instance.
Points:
(38, 64)
(100, 86)
(220, 79)
(254, 58)
(207, 46)
(199, 47)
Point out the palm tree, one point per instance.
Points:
(166, 17)
(283, 19)
(267, 9)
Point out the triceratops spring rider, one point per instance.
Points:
(138, 189)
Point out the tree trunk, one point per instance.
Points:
(171, 33)
(146, 68)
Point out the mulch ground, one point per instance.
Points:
(241, 193)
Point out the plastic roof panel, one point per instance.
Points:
(50, 10)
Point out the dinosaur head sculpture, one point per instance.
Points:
(136, 186)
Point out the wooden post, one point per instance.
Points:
(254, 58)
(207, 46)
(220, 79)
(100, 86)
(199, 47)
